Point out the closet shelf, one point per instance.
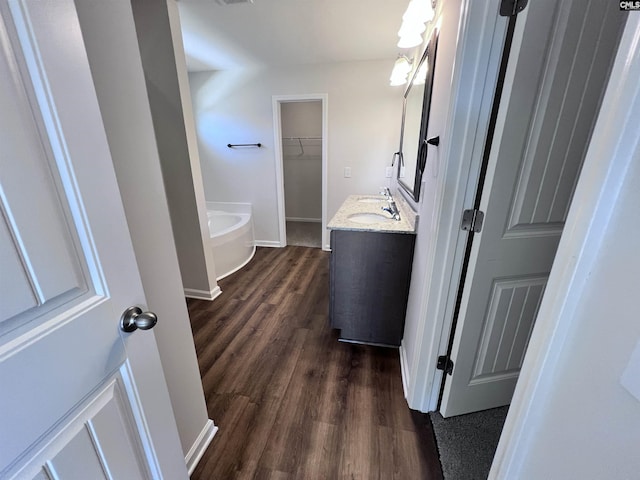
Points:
(301, 142)
(302, 138)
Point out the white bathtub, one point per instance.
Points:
(232, 240)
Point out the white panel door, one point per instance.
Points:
(78, 397)
(557, 71)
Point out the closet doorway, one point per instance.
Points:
(301, 152)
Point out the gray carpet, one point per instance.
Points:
(467, 443)
(304, 234)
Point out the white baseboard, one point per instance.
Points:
(200, 445)
(202, 294)
(404, 370)
(268, 243)
(300, 219)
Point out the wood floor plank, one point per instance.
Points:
(221, 456)
(237, 361)
(290, 401)
(322, 459)
(332, 378)
(277, 367)
(360, 430)
(266, 474)
(291, 439)
(390, 408)
(297, 269)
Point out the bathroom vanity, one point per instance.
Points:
(370, 270)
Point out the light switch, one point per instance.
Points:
(347, 172)
(389, 172)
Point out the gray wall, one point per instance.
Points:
(165, 74)
(111, 43)
(364, 116)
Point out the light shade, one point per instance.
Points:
(419, 11)
(401, 69)
(417, 14)
(410, 41)
(402, 65)
(397, 81)
(411, 28)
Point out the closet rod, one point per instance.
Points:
(231, 145)
(302, 138)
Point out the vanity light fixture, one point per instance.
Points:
(414, 20)
(401, 69)
(418, 13)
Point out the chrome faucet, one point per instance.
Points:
(385, 191)
(392, 209)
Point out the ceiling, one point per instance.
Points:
(288, 32)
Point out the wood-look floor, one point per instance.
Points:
(292, 402)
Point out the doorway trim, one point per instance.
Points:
(482, 171)
(277, 101)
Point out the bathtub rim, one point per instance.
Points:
(245, 218)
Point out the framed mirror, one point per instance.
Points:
(415, 121)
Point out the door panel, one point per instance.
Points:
(513, 304)
(558, 68)
(43, 254)
(70, 406)
(15, 288)
(99, 440)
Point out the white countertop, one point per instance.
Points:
(363, 204)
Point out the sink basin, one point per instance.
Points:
(369, 218)
(371, 199)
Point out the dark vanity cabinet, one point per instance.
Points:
(369, 285)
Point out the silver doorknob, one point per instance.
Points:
(133, 318)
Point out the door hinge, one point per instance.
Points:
(472, 220)
(510, 8)
(445, 363)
